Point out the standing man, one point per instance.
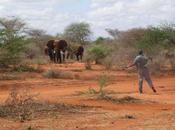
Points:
(141, 63)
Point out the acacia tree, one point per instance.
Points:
(38, 39)
(114, 33)
(78, 32)
(160, 43)
(12, 40)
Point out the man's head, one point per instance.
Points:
(141, 52)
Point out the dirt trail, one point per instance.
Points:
(105, 115)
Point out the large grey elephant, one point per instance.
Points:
(55, 50)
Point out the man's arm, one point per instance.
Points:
(130, 65)
(133, 64)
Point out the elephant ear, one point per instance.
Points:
(55, 42)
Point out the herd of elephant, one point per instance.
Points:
(59, 50)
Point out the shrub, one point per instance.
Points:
(58, 74)
(12, 41)
(23, 105)
(37, 43)
(40, 60)
(50, 74)
(103, 82)
(7, 58)
(90, 91)
(97, 53)
(88, 65)
(159, 42)
(156, 42)
(110, 61)
(18, 105)
(9, 77)
(25, 68)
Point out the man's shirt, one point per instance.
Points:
(140, 61)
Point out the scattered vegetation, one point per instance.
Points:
(9, 77)
(88, 65)
(23, 105)
(18, 105)
(126, 99)
(103, 82)
(90, 91)
(17, 42)
(97, 53)
(25, 68)
(12, 41)
(40, 60)
(58, 74)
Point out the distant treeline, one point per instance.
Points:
(19, 42)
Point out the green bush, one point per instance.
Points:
(12, 41)
(97, 53)
(159, 42)
(103, 82)
(156, 42)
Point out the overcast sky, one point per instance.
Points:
(54, 15)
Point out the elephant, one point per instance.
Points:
(79, 53)
(60, 49)
(76, 50)
(55, 49)
(50, 49)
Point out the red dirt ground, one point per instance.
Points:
(154, 112)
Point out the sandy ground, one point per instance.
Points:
(153, 112)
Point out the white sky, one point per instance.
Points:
(54, 15)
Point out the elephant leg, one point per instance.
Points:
(59, 57)
(68, 55)
(81, 57)
(50, 55)
(63, 57)
(54, 57)
(77, 57)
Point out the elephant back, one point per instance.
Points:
(50, 44)
(61, 45)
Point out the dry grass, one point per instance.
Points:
(88, 65)
(26, 68)
(18, 104)
(9, 77)
(126, 99)
(58, 74)
(23, 105)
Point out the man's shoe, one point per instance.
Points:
(154, 90)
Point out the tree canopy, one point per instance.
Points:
(78, 32)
